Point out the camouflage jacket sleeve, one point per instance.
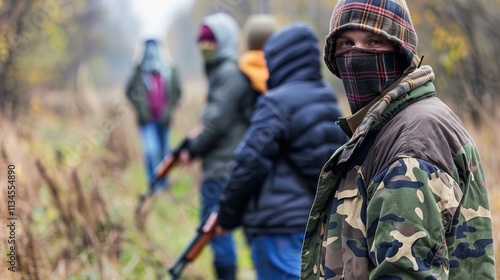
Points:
(412, 206)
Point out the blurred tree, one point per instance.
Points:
(12, 14)
(34, 45)
(44, 42)
(465, 41)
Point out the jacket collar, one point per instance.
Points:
(373, 116)
(350, 124)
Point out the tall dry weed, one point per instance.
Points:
(30, 263)
(75, 222)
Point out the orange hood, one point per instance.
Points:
(253, 65)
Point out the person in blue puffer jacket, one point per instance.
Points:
(276, 166)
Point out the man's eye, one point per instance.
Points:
(345, 44)
(375, 42)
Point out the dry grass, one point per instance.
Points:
(79, 174)
(60, 217)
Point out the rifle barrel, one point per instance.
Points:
(177, 268)
(205, 234)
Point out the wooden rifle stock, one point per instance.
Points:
(168, 162)
(161, 171)
(164, 167)
(205, 234)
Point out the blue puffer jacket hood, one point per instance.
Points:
(226, 32)
(292, 54)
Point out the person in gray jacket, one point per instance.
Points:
(223, 124)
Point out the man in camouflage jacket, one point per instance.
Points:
(406, 197)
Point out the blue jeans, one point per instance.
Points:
(277, 257)
(154, 139)
(223, 247)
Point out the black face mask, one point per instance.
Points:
(366, 73)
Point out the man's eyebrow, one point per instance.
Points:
(375, 36)
(369, 35)
(342, 36)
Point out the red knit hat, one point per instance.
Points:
(206, 34)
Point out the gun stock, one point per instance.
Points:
(161, 170)
(205, 234)
(168, 162)
(164, 167)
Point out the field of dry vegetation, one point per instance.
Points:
(78, 178)
(79, 174)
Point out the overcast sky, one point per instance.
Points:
(157, 16)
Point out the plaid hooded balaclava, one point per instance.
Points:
(366, 73)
